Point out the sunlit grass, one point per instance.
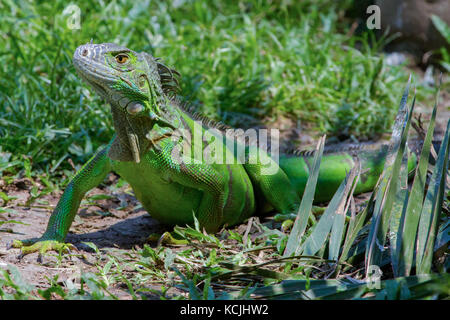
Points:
(245, 59)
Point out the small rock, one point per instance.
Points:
(23, 184)
(395, 58)
(428, 77)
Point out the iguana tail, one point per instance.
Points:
(335, 166)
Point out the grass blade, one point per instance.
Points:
(298, 288)
(355, 226)
(339, 223)
(398, 216)
(412, 287)
(414, 206)
(388, 186)
(304, 210)
(319, 235)
(431, 209)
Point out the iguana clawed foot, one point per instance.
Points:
(287, 219)
(40, 245)
(166, 238)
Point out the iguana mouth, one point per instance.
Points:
(97, 87)
(155, 140)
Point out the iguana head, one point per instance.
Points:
(135, 81)
(138, 87)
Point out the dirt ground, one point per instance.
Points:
(102, 224)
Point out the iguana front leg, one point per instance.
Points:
(88, 177)
(212, 183)
(200, 176)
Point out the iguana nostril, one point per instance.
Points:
(84, 53)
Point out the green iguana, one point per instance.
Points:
(154, 151)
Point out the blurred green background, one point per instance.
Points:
(242, 62)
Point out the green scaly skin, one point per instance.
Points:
(138, 87)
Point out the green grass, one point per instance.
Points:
(444, 30)
(239, 61)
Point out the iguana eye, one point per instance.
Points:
(122, 58)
